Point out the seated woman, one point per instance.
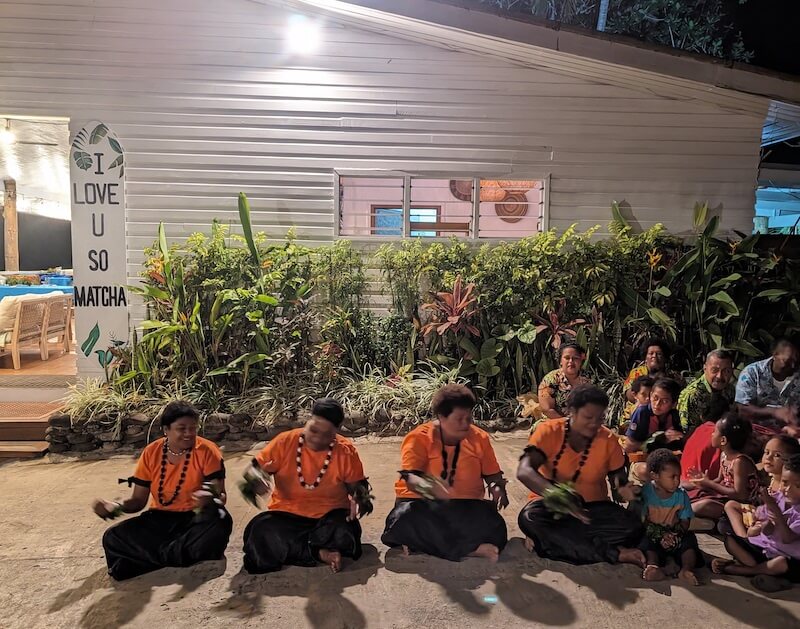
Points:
(656, 354)
(320, 493)
(457, 522)
(581, 451)
(182, 473)
(555, 387)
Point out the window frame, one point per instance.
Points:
(407, 225)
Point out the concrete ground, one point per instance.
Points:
(53, 573)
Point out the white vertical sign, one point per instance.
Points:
(97, 173)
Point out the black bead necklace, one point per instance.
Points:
(581, 463)
(324, 469)
(450, 475)
(164, 453)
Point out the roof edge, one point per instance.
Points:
(613, 49)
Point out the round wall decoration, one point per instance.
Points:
(513, 207)
(461, 189)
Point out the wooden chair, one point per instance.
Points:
(58, 322)
(30, 318)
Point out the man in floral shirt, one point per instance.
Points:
(765, 387)
(716, 378)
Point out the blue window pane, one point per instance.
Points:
(389, 221)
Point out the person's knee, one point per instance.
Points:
(777, 566)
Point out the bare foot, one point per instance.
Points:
(529, 545)
(653, 573)
(331, 557)
(718, 565)
(687, 576)
(488, 551)
(633, 556)
(406, 551)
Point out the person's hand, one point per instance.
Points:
(629, 493)
(499, 496)
(756, 529)
(202, 499)
(792, 431)
(440, 491)
(669, 540)
(673, 435)
(104, 508)
(355, 511)
(785, 414)
(698, 479)
(773, 509)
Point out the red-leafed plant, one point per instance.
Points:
(453, 311)
(557, 328)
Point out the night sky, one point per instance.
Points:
(771, 29)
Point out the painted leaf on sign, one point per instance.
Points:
(114, 144)
(82, 159)
(98, 134)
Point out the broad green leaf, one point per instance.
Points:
(711, 228)
(114, 144)
(116, 162)
(487, 368)
(726, 281)
(469, 347)
(725, 300)
(700, 215)
(527, 333)
(660, 317)
(773, 293)
(150, 324)
(490, 348)
(745, 347)
(162, 242)
(267, 299)
(663, 291)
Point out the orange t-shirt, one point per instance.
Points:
(605, 456)
(279, 458)
(422, 451)
(205, 463)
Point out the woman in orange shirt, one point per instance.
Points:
(458, 522)
(319, 494)
(187, 522)
(581, 451)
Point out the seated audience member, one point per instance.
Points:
(771, 550)
(738, 476)
(698, 451)
(655, 364)
(716, 379)
(778, 450)
(659, 415)
(765, 388)
(555, 387)
(667, 513)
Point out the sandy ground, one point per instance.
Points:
(53, 573)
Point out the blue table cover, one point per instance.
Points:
(41, 289)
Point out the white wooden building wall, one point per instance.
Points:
(207, 103)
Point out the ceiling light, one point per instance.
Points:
(303, 35)
(7, 135)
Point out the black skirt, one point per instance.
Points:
(160, 539)
(568, 539)
(688, 542)
(450, 530)
(274, 539)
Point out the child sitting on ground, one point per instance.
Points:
(641, 388)
(667, 512)
(772, 546)
(658, 415)
(738, 476)
(778, 450)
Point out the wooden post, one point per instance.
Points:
(10, 235)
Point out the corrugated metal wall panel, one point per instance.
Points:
(207, 103)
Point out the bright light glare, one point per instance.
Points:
(303, 35)
(7, 136)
